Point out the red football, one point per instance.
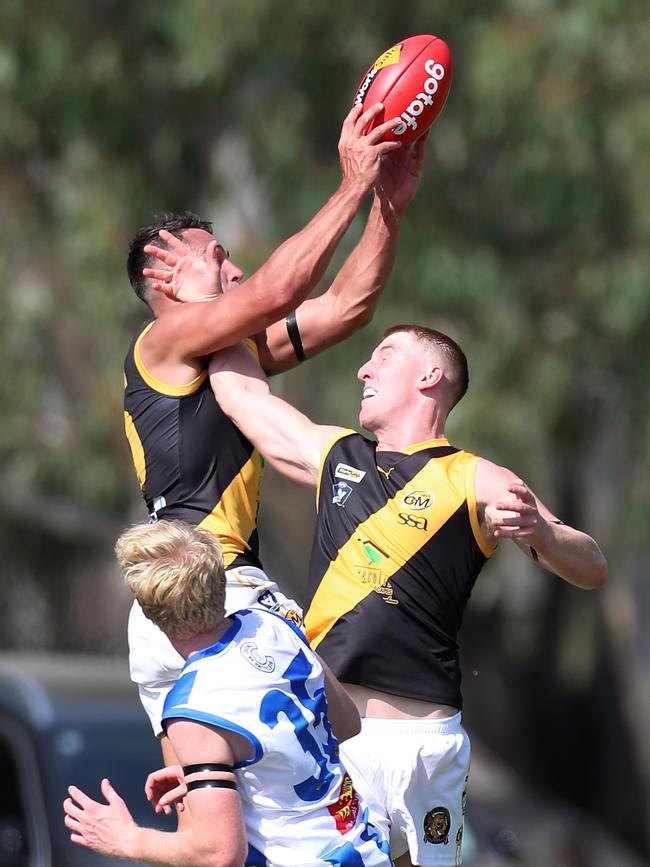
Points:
(412, 80)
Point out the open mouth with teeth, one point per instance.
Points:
(368, 392)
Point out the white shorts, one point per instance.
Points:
(413, 776)
(154, 663)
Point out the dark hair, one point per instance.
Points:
(137, 259)
(457, 372)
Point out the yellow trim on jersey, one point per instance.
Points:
(251, 344)
(157, 384)
(470, 493)
(233, 519)
(343, 586)
(436, 442)
(343, 432)
(137, 450)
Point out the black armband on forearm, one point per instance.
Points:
(294, 336)
(206, 766)
(533, 552)
(211, 784)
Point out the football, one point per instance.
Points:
(412, 80)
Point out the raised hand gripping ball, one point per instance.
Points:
(412, 80)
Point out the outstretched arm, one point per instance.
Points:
(189, 331)
(214, 835)
(289, 441)
(350, 301)
(508, 509)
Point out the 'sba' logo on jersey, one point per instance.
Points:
(417, 501)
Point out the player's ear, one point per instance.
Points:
(430, 377)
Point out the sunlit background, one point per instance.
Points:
(528, 243)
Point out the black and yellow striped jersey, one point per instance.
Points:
(191, 461)
(397, 550)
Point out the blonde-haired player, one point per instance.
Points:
(255, 720)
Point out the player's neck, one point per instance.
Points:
(187, 646)
(408, 432)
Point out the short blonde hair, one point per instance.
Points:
(176, 573)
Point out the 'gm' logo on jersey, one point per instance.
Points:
(418, 500)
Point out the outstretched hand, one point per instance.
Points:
(165, 787)
(189, 276)
(400, 173)
(360, 152)
(106, 828)
(519, 517)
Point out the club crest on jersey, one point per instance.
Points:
(437, 824)
(352, 474)
(416, 501)
(340, 493)
(251, 653)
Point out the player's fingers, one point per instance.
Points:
(387, 147)
(350, 120)
(375, 135)
(163, 288)
(81, 798)
(367, 117)
(109, 792)
(174, 794)
(166, 256)
(159, 274)
(172, 241)
(72, 810)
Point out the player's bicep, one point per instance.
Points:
(287, 438)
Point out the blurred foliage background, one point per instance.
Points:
(528, 242)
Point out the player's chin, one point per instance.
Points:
(365, 417)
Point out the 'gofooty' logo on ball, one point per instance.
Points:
(435, 73)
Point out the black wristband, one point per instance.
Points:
(294, 336)
(206, 766)
(211, 784)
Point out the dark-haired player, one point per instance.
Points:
(192, 463)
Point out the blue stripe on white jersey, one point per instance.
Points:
(262, 681)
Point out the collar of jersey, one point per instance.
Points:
(221, 644)
(417, 447)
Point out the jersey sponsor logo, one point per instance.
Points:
(378, 583)
(251, 653)
(373, 552)
(369, 575)
(340, 493)
(417, 521)
(352, 474)
(437, 823)
(346, 808)
(416, 501)
(386, 591)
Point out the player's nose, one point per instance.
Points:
(231, 271)
(364, 371)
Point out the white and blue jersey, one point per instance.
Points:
(262, 681)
